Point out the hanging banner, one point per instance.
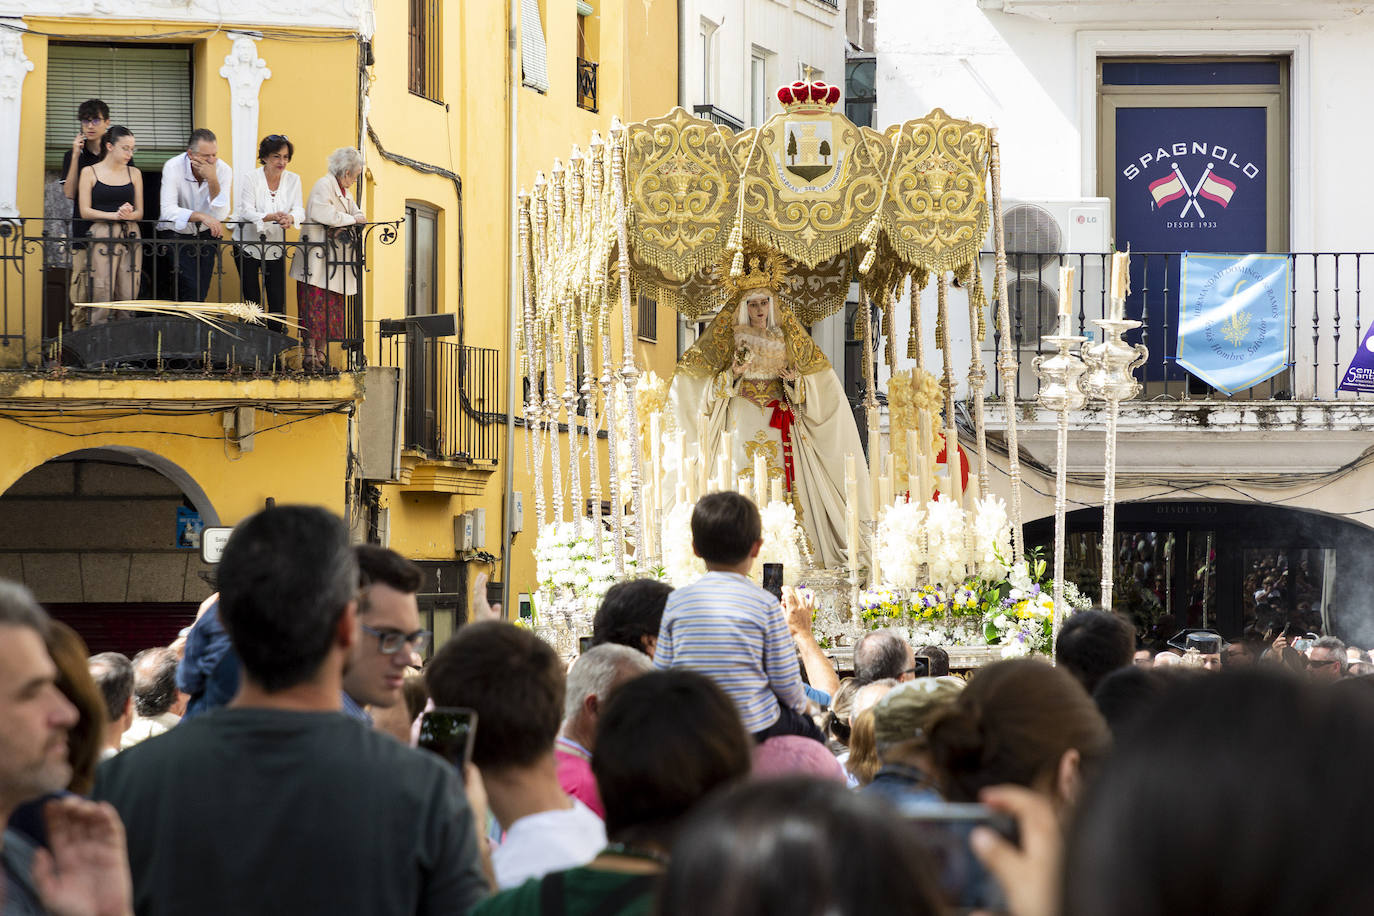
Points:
(1233, 319)
(1359, 375)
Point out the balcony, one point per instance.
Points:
(51, 289)
(453, 414)
(586, 84)
(1178, 424)
(718, 116)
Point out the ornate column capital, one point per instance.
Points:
(14, 67)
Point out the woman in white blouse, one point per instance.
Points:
(324, 278)
(267, 203)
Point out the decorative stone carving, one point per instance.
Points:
(14, 67)
(245, 72)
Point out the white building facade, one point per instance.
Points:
(1219, 494)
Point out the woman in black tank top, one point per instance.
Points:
(110, 201)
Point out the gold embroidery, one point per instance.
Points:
(761, 392)
(764, 444)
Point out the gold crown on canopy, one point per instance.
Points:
(762, 270)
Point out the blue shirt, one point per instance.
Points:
(731, 630)
(354, 711)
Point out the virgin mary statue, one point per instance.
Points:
(757, 373)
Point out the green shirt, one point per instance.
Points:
(586, 892)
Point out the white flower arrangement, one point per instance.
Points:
(681, 565)
(567, 564)
(991, 538)
(946, 554)
(781, 541)
(901, 544)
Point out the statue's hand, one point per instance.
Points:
(738, 368)
(788, 375)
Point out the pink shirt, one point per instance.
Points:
(574, 764)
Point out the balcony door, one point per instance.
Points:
(422, 367)
(1193, 153)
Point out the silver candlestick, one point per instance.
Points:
(1059, 392)
(1111, 378)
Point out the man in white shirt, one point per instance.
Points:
(114, 675)
(158, 705)
(195, 199)
(515, 683)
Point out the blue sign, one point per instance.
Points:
(1187, 179)
(1233, 324)
(1359, 375)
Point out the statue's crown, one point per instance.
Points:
(808, 98)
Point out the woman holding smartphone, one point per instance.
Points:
(110, 201)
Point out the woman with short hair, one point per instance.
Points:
(326, 273)
(267, 202)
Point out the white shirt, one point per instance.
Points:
(548, 841)
(142, 729)
(183, 194)
(253, 200)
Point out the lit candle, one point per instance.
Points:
(1065, 301)
(760, 479)
(777, 495)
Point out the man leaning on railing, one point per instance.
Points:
(195, 198)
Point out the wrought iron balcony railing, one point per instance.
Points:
(53, 286)
(719, 116)
(1327, 319)
(586, 84)
(452, 397)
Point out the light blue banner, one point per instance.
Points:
(1233, 318)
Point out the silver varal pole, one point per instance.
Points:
(1059, 392)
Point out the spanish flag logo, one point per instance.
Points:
(1217, 189)
(1169, 188)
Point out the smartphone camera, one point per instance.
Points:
(583, 644)
(943, 831)
(772, 579)
(448, 732)
(496, 593)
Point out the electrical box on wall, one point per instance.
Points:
(479, 528)
(462, 532)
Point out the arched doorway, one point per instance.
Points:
(107, 538)
(1231, 566)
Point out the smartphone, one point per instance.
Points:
(772, 579)
(920, 667)
(448, 732)
(943, 831)
(583, 644)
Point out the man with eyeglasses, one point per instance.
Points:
(276, 803)
(391, 639)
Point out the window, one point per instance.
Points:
(758, 88)
(860, 90)
(424, 48)
(147, 88)
(648, 318)
(708, 61)
(534, 52)
(422, 241)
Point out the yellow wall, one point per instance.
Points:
(468, 134)
(312, 97)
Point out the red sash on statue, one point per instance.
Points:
(782, 420)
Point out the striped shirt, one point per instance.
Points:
(734, 632)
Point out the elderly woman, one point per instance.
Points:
(325, 276)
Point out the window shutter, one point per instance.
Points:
(148, 91)
(534, 53)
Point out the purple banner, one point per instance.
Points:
(1359, 375)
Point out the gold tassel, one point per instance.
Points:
(867, 263)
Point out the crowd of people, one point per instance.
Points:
(200, 210)
(702, 755)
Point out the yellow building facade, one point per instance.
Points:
(100, 470)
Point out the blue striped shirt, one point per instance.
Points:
(734, 632)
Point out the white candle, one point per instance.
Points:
(656, 476)
(760, 479)
(1065, 301)
(1121, 282)
(923, 477)
(923, 429)
(726, 469)
(955, 465)
(777, 495)
(885, 493)
(913, 488)
(851, 494)
(971, 494)
(681, 491)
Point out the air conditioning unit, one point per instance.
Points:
(1040, 237)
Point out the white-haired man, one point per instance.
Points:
(597, 672)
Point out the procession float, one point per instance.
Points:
(754, 237)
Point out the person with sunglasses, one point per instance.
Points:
(390, 639)
(1326, 659)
